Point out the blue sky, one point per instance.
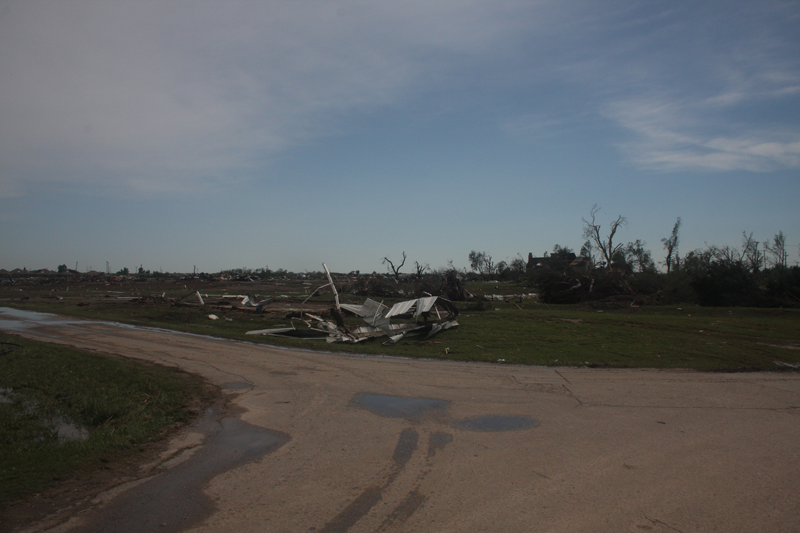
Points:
(288, 133)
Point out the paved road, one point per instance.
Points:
(386, 444)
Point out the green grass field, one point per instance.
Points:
(517, 332)
(63, 409)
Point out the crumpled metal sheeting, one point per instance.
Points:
(377, 315)
(421, 305)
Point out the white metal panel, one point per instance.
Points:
(425, 304)
(401, 308)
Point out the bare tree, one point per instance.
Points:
(671, 246)
(591, 231)
(751, 255)
(725, 255)
(451, 267)
(778, 250)
(394, 270)
(419, 270)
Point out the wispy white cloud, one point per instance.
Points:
(687, 86)
(680, 136)
(181, 96)
(722, 106)
(163, 96)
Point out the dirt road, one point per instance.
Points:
(385, 444)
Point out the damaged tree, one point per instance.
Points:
(482, 263)
(778, 250)
(419, 270)
(671, 246)
(751, 255)
(445, 283)
(591, 231)
(392, 269)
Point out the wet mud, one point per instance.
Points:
(438, 441)
(404, 450)
(406, 446)
(414, 410)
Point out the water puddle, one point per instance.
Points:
(19, 320)
(236, 386)
(416, 409)
(496, 423)
(399, 406)
(69, 431)
(174, 500)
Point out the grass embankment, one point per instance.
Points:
(522, 332)
(63, 409)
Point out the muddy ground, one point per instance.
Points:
(337, 443)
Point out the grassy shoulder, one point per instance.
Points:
(522, 332)
(63, 410)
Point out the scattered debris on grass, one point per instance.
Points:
(377, 316)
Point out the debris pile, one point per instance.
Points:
(449, 285)
(377, 320)
(509, 297)
(225, 301)
(374, 286)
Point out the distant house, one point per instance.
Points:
(558, 261)
(535, 262)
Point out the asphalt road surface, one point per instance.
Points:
(335, 443)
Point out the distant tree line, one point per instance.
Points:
(755, 274)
